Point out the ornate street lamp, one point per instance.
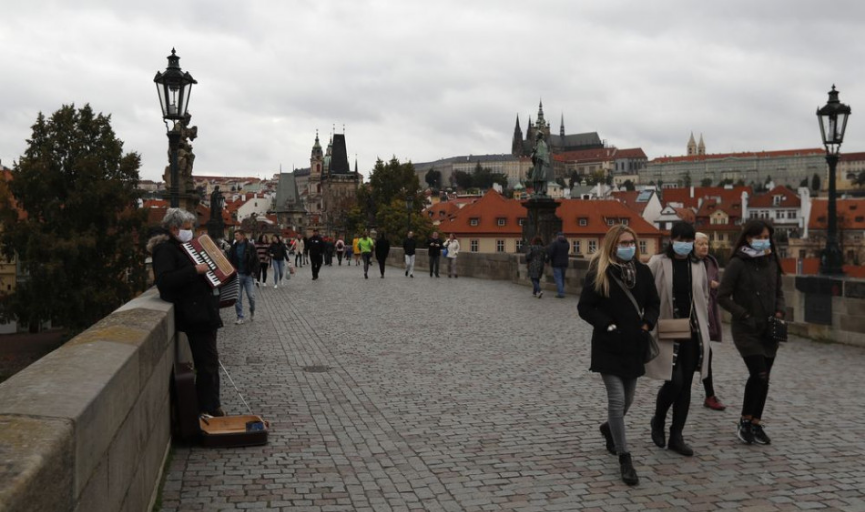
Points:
(409, 203)
(833, 121)
(174, 87)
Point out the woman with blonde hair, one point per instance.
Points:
(621, 303)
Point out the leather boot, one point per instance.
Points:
(658, 432)
(608, 437)
(678, 445)
(629, 474)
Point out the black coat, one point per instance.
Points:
(196, 309)
(751, 291)
(250, 258)
(315, 245)
(558, 253)
(434, 246)
(620, 352)
(382, 248)
(409, 245)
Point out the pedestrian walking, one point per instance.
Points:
(751, 291)
(340, 250)
(244, 257)
(328, 251)
(196, 309)
(409, 246)
(306, 250)
(355, 248)
(365, 246)
(262, 247)
(453, 248)
(621, 303)
(559, 260)
(434, 250)
(315, 246)
(382, 249)
(297, 247)
(684, 291)
(536, 258)
(713, 272)
(278, 253)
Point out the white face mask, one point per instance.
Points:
(184, 235)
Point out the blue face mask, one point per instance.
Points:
(761, 245)
(625, 253)
(683, 248)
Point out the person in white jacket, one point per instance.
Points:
(453, 247)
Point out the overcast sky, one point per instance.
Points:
(432, 79)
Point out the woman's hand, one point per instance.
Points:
(201, 268)
(714, 284)
(779, 314)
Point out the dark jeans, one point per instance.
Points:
(381, 263)
(316, 264)
(536, 285)
(298, 260)
(757, 387)
(206, 360)
(434, 265)
(367, 256)
(677, 392)
(262, 272)
(339, 257)
(708, 384)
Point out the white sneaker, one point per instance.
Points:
(239, 321)
(275, 286)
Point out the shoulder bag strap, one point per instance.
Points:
(629, 294)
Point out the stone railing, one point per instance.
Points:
(87, 427)
(821, 308)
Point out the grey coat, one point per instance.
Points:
(661, 266)
(751, 287)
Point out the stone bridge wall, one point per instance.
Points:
(86, 428)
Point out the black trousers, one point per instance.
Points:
(708, 382)
(206, 359)
(339, 257)
(367, 257)
(757, 387)
(315, 261)
(434, 265)
(381, 263)
(677, 391)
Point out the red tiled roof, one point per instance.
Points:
(851, 157)
(851, 214)
(686, 214)
(767, 200)
(586, 155)
(631, 153)
(747, 154)
(598, 213)
(629, 198)
(487, 210)
(441, 210)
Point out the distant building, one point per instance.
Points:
(516, 169)
(331, 185)
(850, 231)
(558, 143)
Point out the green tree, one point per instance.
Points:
(393, 220)
(433, 178)
(463, 179)
(804, 182)
(706, 182)
(815, 182)
(81, 236)
(686, 180)
(628, 185)
(860, 179)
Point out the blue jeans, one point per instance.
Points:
(536, 285)
(559, 276)
(278, 270)
(245, 282)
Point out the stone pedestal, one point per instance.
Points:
(541, 220)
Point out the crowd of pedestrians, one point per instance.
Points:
(658, 319)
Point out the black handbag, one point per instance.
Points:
(651, 350)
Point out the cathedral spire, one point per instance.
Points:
(692, 145)
(562, 127)
(701, 147)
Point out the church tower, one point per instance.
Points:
(517, 143)
(692, 146)
(701, 147)
(541, 124)
(313, 185)
(562, 127)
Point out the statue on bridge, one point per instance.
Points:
(542, 170)
(217, 203)
(185, 156)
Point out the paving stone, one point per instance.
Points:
(464, 395)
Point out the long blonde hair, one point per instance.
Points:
(606, 256)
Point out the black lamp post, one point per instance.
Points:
(833, 121)
(174, 87)
(409, 203)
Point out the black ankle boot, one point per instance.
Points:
(658, 432)
(629, 475)
(678, 445)
(608, 437)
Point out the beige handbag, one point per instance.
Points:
(674, 329)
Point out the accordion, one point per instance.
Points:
(204, 250)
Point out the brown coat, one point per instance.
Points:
(661, 266)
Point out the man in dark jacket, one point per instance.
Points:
(434, 249)
(244, 257)
(196, 309)
(409, 245)
(278, 253)
(316, 247)
(382, 249)
(558, 253)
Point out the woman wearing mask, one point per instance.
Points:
(684, 291)
(713, 273)
(620, 301)
(751, 291)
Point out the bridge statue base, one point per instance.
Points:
(541, 221)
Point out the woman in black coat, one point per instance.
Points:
(196, 308)
(751, 291)
(382, 249)
(621, 330)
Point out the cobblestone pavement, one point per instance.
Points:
(471, 395)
